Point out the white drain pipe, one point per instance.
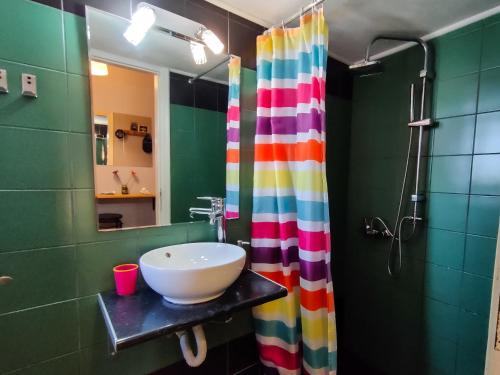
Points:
(201, 343)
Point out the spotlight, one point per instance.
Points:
(142, 20)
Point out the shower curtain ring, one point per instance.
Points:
(283, 24)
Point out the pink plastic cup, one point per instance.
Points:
(125, 278)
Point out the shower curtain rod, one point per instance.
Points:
(297, 15)
(191, 80)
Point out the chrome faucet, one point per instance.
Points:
(215, 214)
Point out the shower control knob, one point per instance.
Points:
(5, 280)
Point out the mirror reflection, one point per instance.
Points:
(159, 118)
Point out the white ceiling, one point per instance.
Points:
(353, 23)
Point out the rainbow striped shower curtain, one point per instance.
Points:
(233, 141)
(290, 222)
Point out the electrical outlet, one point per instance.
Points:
(4, 86)
(29, 85)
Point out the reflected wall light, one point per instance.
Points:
(142, 20)
(211, 40)
(98, 68)
(198, 51)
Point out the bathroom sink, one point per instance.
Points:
(192, 272)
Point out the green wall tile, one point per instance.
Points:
(473, 332)
(95, 262)
(445, 248)
(35, 335)
(475, 294)
(76, 44)
(450, 174)
(454, 136)
(440, 319)
(458, 55)
(64, 365)
(79, 118)
(33, 159)
(480, 255)
(47, 111)
(92, 328)
(469, 364)
(457, 96)
(491, 50)
(35, 219)
(176, 235)
(442, 284)
(82, 167)
(489, 92)
(201, 232)
(483, 215)
(31, 34)
(485, 175)
(447, 211)
(40, 277)
(440, 354)
(487, 138)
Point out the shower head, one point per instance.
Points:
(366, 68)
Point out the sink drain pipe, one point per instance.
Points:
(201, 343)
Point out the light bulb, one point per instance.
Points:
(212, 41)
(98, 68)
(141, 22)
(198, 51)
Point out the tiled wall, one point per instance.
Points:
(49, 319)
(434, 318)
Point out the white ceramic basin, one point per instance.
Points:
(192, 272)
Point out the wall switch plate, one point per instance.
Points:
(28, 83)
(4, 86)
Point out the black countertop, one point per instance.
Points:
(146, 314)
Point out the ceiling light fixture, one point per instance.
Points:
(198, 51)
(98, 68)
(142, 20)
(211, 40)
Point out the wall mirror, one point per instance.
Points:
(159, 136)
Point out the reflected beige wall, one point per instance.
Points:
(127, 94)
